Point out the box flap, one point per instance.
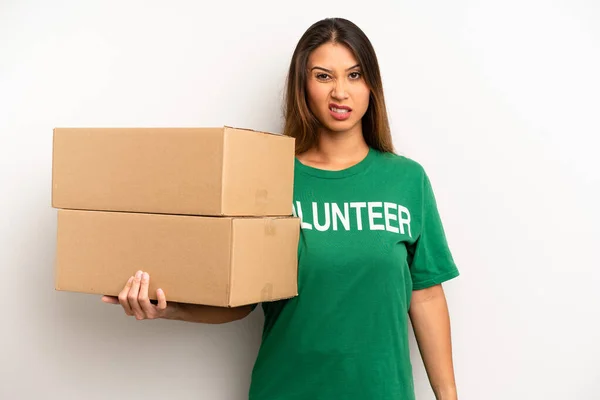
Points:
(258, 131)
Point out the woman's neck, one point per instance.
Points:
(337, 150)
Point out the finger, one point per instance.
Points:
(132, 296)
(110, 299)
(147, 307)
(162, 300)
(123, 297)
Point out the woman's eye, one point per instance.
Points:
(322, 76)
(355, 75)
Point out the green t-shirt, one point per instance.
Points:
(370, 235)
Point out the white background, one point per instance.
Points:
(498, 100)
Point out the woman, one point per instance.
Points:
(372, 252)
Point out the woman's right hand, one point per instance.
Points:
(135, 302)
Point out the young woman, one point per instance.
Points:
(372, 252)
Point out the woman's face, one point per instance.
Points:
(337, 93)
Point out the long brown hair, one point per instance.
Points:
(300, 122)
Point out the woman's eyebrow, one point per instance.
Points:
(330, 71)
(321, 68)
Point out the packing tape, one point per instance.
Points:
(270, 227)
(267, 292)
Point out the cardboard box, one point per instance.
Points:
(219, 261)
(195, 171)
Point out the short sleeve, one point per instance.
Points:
(430, 258)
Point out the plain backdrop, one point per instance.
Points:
(498, 100)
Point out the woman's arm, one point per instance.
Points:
(206, 314)
(431, 324)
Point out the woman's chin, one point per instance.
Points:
(336, 126)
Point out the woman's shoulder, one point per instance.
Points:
(399, 163)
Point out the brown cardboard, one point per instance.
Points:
(194, 171)
(219, 261)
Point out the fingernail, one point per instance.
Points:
(146, 276)
(130, 280)
(138, 274)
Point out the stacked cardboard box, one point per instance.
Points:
(207, 212)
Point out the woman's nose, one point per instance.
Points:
(339, 90)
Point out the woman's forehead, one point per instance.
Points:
(332, 56)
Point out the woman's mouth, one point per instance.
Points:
(339, 112)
